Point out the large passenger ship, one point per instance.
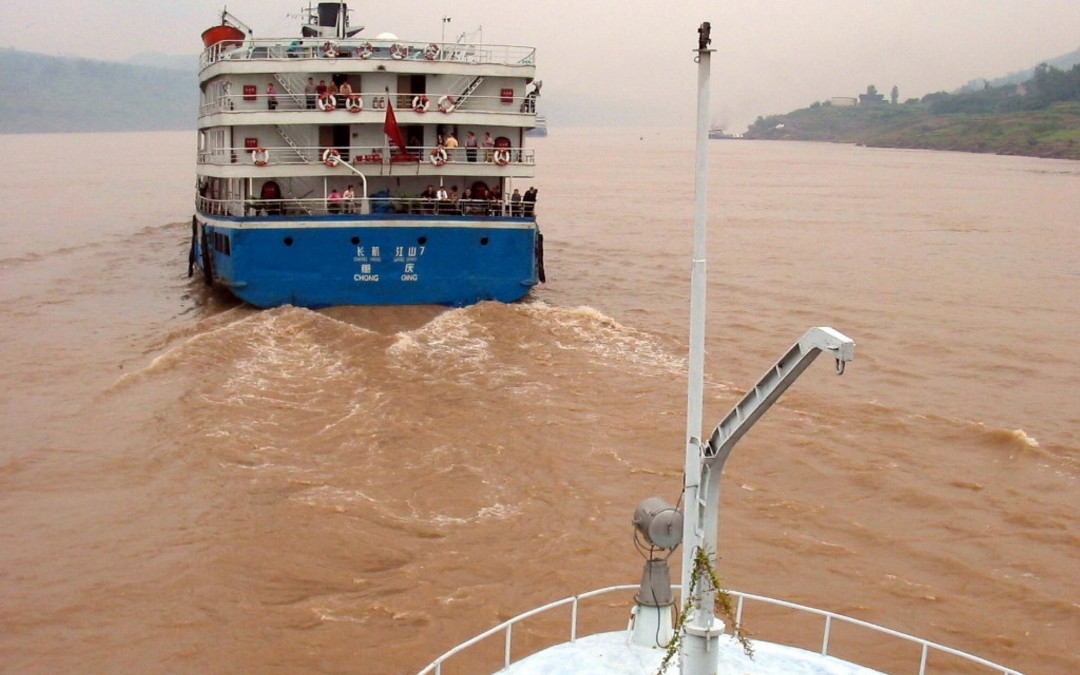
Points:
(335, 169)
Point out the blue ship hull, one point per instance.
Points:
(369, 260)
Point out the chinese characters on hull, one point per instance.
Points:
(406, 256)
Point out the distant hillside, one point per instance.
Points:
(186, 62)
(40, 93)
(1063, 62)
(1039, 118)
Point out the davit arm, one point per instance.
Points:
(701, 525)
(772, 386)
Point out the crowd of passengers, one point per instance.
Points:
(443, 201)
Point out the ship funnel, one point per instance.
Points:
(328, 13)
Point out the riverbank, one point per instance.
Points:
(1053, 132)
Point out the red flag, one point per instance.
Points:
(391, 128)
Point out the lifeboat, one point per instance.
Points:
(230, 35)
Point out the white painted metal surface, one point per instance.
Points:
(576, 647)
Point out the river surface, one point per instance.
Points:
(191, 485)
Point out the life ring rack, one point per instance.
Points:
(260, 156)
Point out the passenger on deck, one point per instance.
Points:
(345, 91)
(333, 201)
(470, 146)
(515, 203)
(450, 144)
(427, 200)
(348, 200)
(310, 93)
(529, 201)
(489, 147)
(271, 96)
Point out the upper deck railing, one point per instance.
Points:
(286, 101)
(376, 206)
(364, 49)
(282, 155)
(974, 663)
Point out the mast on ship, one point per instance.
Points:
(705, 460)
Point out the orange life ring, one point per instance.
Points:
(502, 157)
(331, 157)
(438, 156)
(260, 156)
(420, 103)
(447, 104)
(355, 103)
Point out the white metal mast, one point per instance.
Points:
(695, 642)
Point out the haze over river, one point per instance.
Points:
(190, 485)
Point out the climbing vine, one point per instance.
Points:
(723, 606)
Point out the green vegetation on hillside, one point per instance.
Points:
(1039, 118)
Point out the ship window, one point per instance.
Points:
(288, 241)
(355, 241)
(421, 241)
(483, 241)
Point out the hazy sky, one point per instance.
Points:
(631, 62)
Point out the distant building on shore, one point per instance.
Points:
(843, 101)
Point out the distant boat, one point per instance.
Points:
(717, 133)
(540, 129)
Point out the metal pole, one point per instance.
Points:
(697, 652)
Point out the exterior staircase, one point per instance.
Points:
(466, 85)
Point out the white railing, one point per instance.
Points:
(360, 155)
(507, 629)
(298, 101)
(412, 206)
(355, 47)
